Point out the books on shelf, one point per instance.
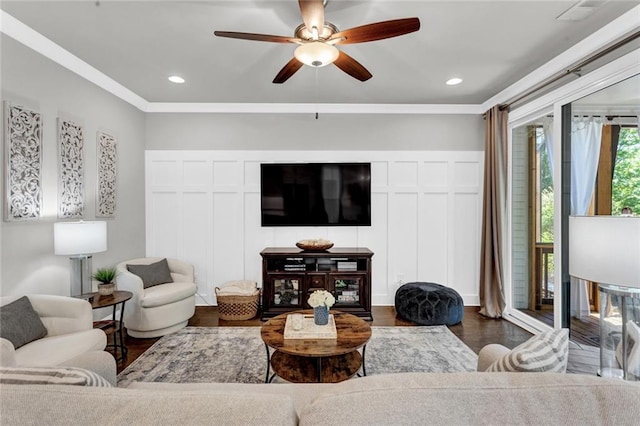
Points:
(294, 264)
(347, 266)
(294, 268)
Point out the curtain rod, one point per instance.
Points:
(607, 116)
(572, 70)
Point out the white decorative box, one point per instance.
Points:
(310, 330)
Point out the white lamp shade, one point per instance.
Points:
(316, 54)
(605, 249)
(76, 238)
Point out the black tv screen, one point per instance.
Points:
(316, 194)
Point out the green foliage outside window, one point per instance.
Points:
(546, 199)
(626, 174)
(625, 184)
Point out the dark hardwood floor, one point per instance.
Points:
(585, 331)
(475, 330)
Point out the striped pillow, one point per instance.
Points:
(545, 352)
(51, 376)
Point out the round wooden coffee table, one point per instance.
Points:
(316, 360)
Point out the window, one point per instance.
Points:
(626, 172)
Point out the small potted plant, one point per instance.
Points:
(105, 277)
(321, 301)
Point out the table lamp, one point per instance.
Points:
(80, 240)
(606, 250)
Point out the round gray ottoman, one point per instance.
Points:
(429, 304)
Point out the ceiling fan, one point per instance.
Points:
(317, 40)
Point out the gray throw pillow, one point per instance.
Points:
(21, 323)
(154, 274)
(51, 376)
(544, 352)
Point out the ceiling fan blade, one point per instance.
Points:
(378, 31)
(287, 71)
(312, 13)
(256, 37)
(352, 67)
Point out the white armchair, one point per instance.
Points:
(161, 309)
(70, 333)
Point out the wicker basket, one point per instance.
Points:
(236, 307)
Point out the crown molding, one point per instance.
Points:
(284, 108)
(32, 39)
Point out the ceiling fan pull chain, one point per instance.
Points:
(316, 93)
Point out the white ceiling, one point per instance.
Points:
(490, 44)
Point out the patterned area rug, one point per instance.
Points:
(237, 354)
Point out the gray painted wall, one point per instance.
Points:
(28, 263)
(303, 132)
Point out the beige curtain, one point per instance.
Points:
(492, 302)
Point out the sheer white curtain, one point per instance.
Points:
(586, 136)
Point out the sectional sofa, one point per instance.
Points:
(408, 398)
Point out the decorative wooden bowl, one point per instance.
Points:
(314, 245)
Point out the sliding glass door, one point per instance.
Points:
(603, 104)
(601, 168)
(532, 291)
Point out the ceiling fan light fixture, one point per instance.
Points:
(316, 54)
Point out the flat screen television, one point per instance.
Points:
(315, 194)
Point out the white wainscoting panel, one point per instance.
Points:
(204, 207)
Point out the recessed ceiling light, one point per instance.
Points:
(176, 79)
(454, 81)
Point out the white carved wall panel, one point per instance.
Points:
(106, 194)
(70, 170)
(23, 163)
(204, 207)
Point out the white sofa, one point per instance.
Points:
(161, 309)
(399, 399)
(393, 399)
(70, 333)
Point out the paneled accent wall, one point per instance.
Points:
(204, 207)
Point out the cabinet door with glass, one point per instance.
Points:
(348, 289)
(287, 291)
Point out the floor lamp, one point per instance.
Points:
(606, 250)
(80, 240)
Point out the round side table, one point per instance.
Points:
(112, 326)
